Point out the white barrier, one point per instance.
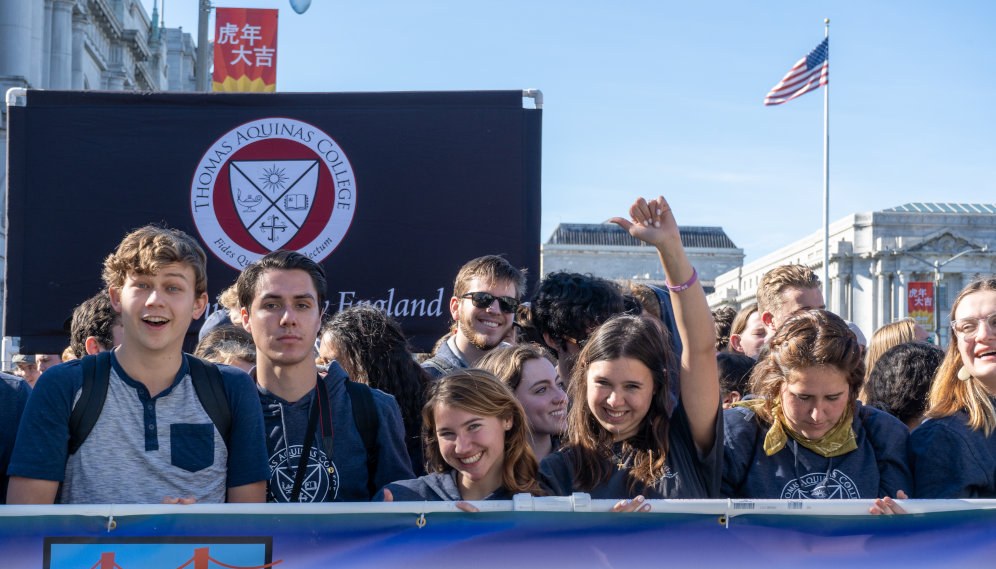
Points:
(579, 502)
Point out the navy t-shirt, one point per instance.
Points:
(14, 393)
(952, 460)
(877, 468)
(687, 474)
(142, 448)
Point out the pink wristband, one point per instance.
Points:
(680, 288)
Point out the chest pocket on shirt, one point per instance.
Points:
(191, 446)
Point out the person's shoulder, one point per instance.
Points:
(415, 489)
(740, 422)
(13, 386)
(878, 423)
(65, 376)
(235, 378)
(951, 427)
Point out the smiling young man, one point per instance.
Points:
(786, 291)
(486, 294)
(153, 439)
(352, 436)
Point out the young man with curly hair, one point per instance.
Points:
(154, 439)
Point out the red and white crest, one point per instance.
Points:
(273, 184)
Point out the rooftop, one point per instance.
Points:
(920, 207)
(611, 234)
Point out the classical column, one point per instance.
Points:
(47, 45)
(901, 294)
(61, 71)
(881, 300)
(37, 35)
(80, 22)
(15, 41)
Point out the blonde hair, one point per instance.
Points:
(147, 250)
(229, 298)
(948, 394)
(648, 298)
(68, 354)
(776, 280)
(899, 332)
(477, 391)
(508, 363)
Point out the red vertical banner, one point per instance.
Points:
(920, 304)
(245, 50)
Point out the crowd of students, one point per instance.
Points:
(625, 392)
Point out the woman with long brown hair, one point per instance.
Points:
(953, 453)
(527, 370)
(477, 442)
(806, 435)
(624, 440)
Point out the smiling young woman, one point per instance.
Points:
(953, 452)
(624, 441)
(477, 442)
(806, 435)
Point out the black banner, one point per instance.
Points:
(391, 192)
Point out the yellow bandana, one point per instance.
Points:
(837, 441)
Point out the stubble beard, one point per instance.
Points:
(478, 340)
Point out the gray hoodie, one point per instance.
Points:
(433, 487)
(343, 476)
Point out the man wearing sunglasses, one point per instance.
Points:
(486, 294)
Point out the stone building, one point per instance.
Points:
(608, 251)
(873, 257)
(86, 44)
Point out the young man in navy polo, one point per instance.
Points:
(153, 440)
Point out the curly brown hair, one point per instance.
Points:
(147, 250)
(477, 391)
(813, 338)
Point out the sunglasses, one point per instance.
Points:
(485, 299)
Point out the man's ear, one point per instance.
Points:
(768, 319)
(455, 309)
(245, 319)
(115, 298)
(735, 344)
(200, 305)
(551, 344)
(93, 347)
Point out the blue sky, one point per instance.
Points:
(648, 98)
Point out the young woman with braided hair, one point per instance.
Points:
(806, 435)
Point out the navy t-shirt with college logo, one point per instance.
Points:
(343, 476)
(687, 473)
(877, 468)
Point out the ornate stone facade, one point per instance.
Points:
(607, 251)
(873, 257)
(86, 44)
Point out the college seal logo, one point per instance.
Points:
(321, 480)
(271, 184)
(816, 486)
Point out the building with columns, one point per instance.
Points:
(106, 45)
(873, 257)
(608, 251)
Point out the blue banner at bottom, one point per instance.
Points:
(496, 539)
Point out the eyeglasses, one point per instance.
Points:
(486, 299)
(965, 327)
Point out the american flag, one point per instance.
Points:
(810, 73)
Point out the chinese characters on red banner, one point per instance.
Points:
(920, 304)
(245, 50)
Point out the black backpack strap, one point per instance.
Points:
(96, 379)
(440, 364)
(210, 388)
(365, 418)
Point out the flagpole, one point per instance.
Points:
(826, 180)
